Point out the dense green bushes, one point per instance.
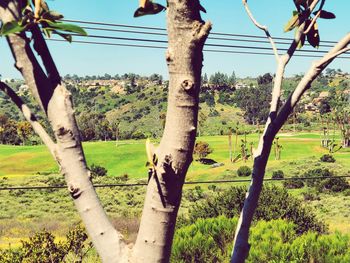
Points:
(42, 247)
(274, 203)
(205, 241)
(279, 174)
(210, 240)
(244, 171)
(329, 182)
(327, 158)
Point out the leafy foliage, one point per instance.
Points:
(293, 183)
(327, 158)
(147, 7)
(98, 170)
(49, 21)
(41, 247)
(202, 149)
(279, 174)
(210, 240)
(244, 171)
(302, 16)
(274, 203)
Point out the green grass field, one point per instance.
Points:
(129, 157)
(24, 212)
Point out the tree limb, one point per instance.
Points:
(273, 125)
(262, 27)
(56, 101)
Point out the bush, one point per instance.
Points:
(274, 203)
(202, 149)
(207, 240)
(210, 240)
(244, 171)
(98, 170)
(327, 158)
(41, 247)
(333, 184)
(293, 183)
(318, 172)
(279, 174)
(328, 184)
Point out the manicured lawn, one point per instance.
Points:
(129, 157)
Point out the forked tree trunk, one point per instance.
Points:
(187, 34)
(55, 100)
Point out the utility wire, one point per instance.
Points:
(186, 183)
(164, 47)
(207, 44)
(210, 38)
(163, 29)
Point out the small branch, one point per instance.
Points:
(312, 22)
(264, 28)
(30, 117)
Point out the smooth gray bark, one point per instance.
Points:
(56, 102)
(187, 34)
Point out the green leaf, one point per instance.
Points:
(150, 9)
(66, 27)
(65, 36)
(313, 36)
(52, 15)
(47, 31)
(326, 15)
(11, 28)
(293, 23)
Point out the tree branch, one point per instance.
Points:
(56, 101)
(30, 117)
(264, 28)
(273, 125)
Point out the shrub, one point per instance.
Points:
(274, 203)
(279, 174)
(327, 158)
(333, 184)
(207, 240)
(329, 183)
(244, 171)
(293, 183)
(41, 247)
(98, 170)
(194, 194)
(210, 240)
(318, 172)
(202, 149)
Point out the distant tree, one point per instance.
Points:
(24, 130)
(265, 79)
(219, 80)
(202, 150)
(254, 101)
(232, 79)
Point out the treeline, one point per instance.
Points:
(16, 132)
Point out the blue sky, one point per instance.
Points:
(227, 16)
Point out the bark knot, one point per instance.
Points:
(187, 85)
(75, 192)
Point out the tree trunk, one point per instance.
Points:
(187, 34)
(55, 100)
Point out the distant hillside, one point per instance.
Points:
(132, 106)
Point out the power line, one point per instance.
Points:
(210, 38)
(163, 29)
(186, 183)
(164, 47)
(207, 44)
